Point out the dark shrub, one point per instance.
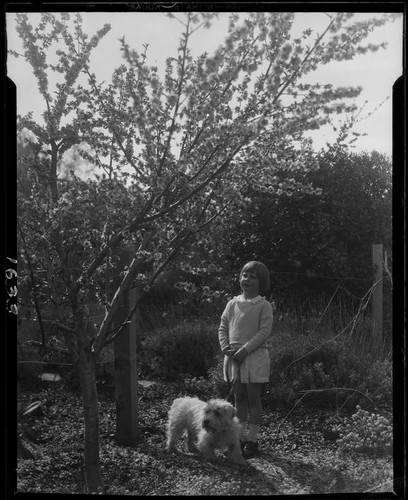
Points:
(189, 348)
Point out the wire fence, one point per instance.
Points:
(343, 309)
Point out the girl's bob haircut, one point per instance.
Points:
(261, 272)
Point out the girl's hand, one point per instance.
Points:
(240, 355)
(228, 352)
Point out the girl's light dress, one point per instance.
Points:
(247, 323)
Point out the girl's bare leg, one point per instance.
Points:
(241, 402)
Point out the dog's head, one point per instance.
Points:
(217, 414)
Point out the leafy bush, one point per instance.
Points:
(378, 382)
(334, 371)
(365, 432)
(322, 371)
(190, 348)
(296, 366)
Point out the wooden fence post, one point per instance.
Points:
(126, 383)
(377, 298)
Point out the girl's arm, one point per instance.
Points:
(223, 336)
(265, 328)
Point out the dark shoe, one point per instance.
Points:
(250, 450)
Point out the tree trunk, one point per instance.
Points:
(86, 373)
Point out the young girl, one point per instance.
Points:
(246, 325)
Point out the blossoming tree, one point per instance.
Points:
(172, 153)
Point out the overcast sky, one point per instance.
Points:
(375, 72)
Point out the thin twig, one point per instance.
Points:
(35, 343)
(325, 310)
(309, 391)
(353, 323)
(286, 416)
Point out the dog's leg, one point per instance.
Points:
(171, 444)
(205, 446)
(234, 453)
(191, 441)
(174, 431)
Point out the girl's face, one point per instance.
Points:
(249, 283)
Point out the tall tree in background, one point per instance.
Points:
(174, 152)
(307, 238)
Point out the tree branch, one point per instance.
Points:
(155, 275)
(118, 297)
(34, 284)
(205, 224)
(64, 328)
(198, 188)
(176, 107)
(113, 128)
(294, 74)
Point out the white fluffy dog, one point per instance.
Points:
(210, 426)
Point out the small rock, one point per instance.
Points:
(50, 377)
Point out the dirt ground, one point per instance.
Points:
(298, 454)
